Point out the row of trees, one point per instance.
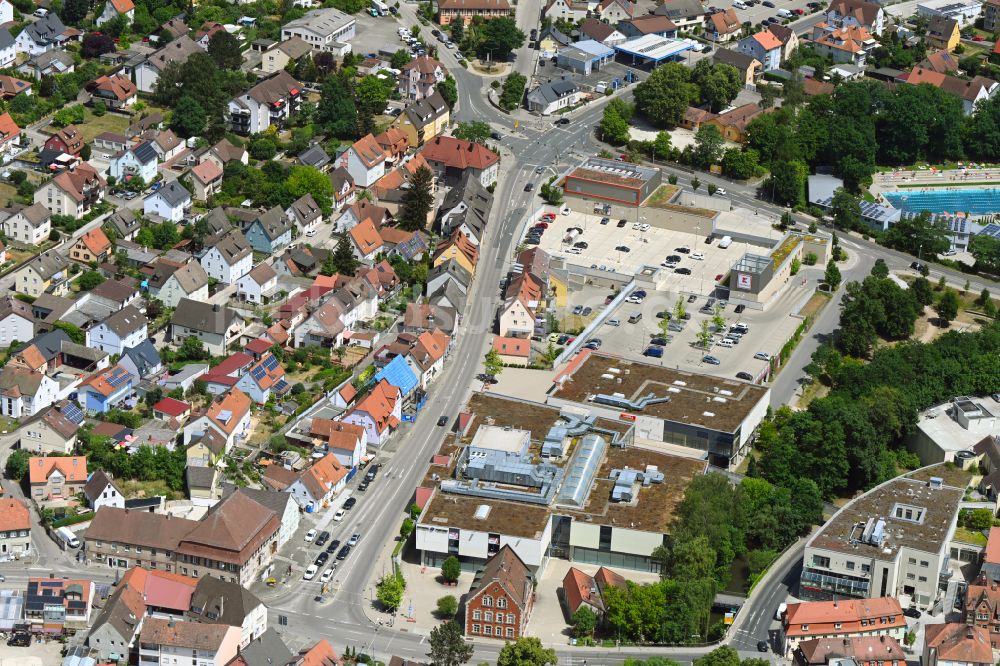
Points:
(863, 124)
(671, 88)
(852, 438)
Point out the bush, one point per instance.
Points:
(451, 569)
(447, 606)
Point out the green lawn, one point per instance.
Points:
(968, 536)
(109, 122)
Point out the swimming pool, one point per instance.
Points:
(973, 201)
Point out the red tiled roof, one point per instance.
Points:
(512, 346)
(74, 468)
(459, 154)
(171, 407)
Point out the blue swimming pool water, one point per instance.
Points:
(976, 202)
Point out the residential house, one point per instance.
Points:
(53, 478)
(57, 604)
(457, 247)
(394, 144)
(954, 644)
(234, 542)
(305, 213)
(43, 35)
(101, 491)
(580, 589)
(270, 231)
(941, 62)
(601, 32)
(44, 272)
(448, 272)
(139, 160)
(320, 654)
(861, 650)
(122, 225)
(314, 156)
(842, 618)
(845, 45)
(548, 98)
(116, 8)
(648, 25)
(345, 441)
(764, 47)
(171, 641)
(171, 283)
(11, 87)
(205, 450)
(8, 45)
(114, 294)
(365, 241)
(450, 158)
(424, 119)
(147, 72)
(789, 40)
(982, 603)
(379, 413)
(733, 124)
(216, 326)
(512, 351)
(523, 299)
(317, 484)
(426, 357)
(344, 189)
(15, 528)
(229, 259)
(573, 11)
(92, 247)
(615, 11)
(110, 142)
(229, 415)
(116, 91)
(326, 29)
(28, 226)
(259, 285)
(225, 603)
(365, 161)
(142, 360)
(10, 133)
(170, 409)
(466, 10)
(206, 180)
(264, 379)
(269, 103)
(323, 327)
(420, 317)
(49, 63)
(359, 211)
(106, 389)
(25, 392)
(991, 15)
(73, 192)
(17, 321)
(501, 598)
(858, 13)
(410, 245)
(550, 39)
(685, 14)
(265, 650)
(52, 430)
(114, 632)
(67, 140)
(225, 152)
(124, 538)
(277, 57)
(971, 91)
(723, 26)
(122, 330)
(418, 77)
(943, 33)
(171, 202)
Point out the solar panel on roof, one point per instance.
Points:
(258, 373)
(270, 362)
(73, 413)
(280, 386)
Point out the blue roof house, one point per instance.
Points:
(398, 373)
(270, 231)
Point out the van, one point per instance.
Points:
(725, 242)
(784, 13)
(654, 352)
(635, 317)
(725, 342)
(68, 537)
(41, 13)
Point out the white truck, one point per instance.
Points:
(383, 9)
(726, 242)
(66, 534)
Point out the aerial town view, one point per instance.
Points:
(499, 332)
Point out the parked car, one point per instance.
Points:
(697, 256)
(692, 298)
(653, 352)
(683, 249)
(334, 545)
(762, 356)
(327, 576)
(618, 322)
(711, 360)
(323, 537)
(605, 220)
(322, 558)
(310, 535)
(339, 516)
(682, 271)
(762, 646)
(912, 612)
(745, 376)
(739, 308)
(310, 572)
(659, 342)
(353, 541)
(343, 552)
(529, 187)
(442, 420)
(623, 248)
(349, 503)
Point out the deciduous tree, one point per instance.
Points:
(447, 644)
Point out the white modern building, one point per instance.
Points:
(326, 29)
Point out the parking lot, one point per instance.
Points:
(624, 248)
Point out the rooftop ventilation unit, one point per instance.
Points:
(482, 511)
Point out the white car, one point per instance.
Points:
(637, 226)
(310, 572)
(449, 45)
(310, 535)
(721, 192)
(311, 233)
(614, 322)
(327, 576)
(574, 250)
(339, 515)
(643, 227)
(697, 255)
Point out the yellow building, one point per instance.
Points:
(424, 119)
(943, 33)
(459, 248)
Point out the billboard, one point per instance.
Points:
(744, 281)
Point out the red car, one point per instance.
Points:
(542, 225)
(800, 12)
(718, 277)
(548, 217)
(977, 38)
